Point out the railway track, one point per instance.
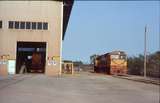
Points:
(140, 79)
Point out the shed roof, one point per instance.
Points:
(67, 7)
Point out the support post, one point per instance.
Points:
(145, 51)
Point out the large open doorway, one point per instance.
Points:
(33, 55)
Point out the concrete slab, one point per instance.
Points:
(84, 88)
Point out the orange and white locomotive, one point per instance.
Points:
(114, 63)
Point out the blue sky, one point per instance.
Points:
(98, 27)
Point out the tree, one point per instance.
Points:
(153, 65)
(92, 58)
(136, 65)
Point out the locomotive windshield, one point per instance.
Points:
(118, 56)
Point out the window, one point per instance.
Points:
(16, 25)
(45, 26)
(28, 25)
(122, 57)
(22, 25)
(11, 24)
(115, 56)
(33, 25)
(39, 25)
(0, 24)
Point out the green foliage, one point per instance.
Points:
(92, 58)
(136, 65)
(78, 63)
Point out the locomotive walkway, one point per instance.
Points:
(83, 88)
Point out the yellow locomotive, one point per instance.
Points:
(114, 63)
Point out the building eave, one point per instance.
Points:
(67, 8)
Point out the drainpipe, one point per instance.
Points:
(60, 71)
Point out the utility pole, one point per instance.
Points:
(145, 51)
(159, 39)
